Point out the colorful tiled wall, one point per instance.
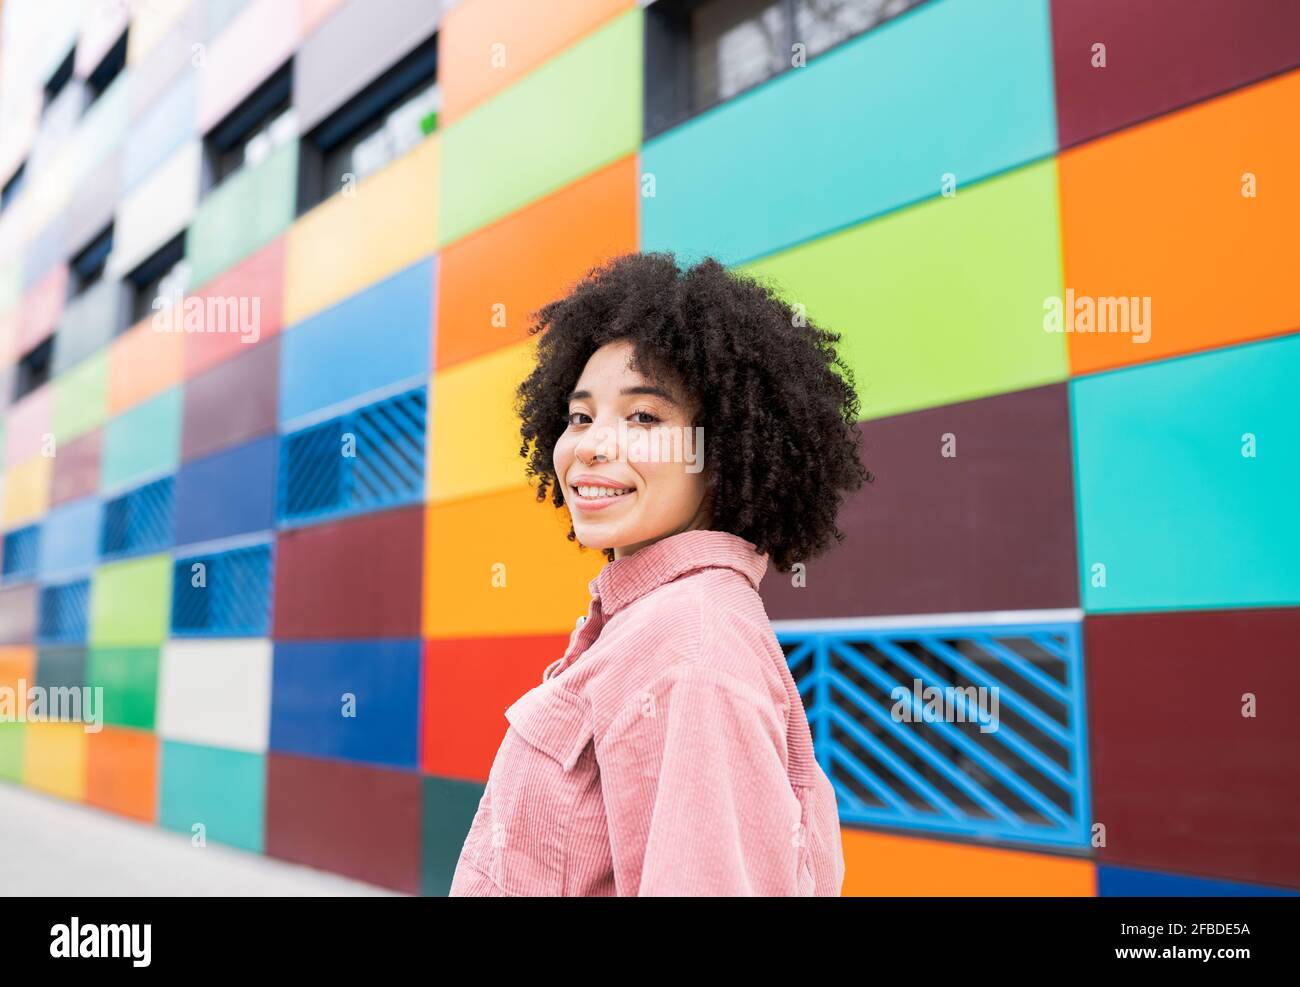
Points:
(1103, 528)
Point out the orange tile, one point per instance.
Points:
(122, 772)
(885, 865)
(503, 273)
(1157, 211)
(141, 364)
(17, 662)
(502, 564)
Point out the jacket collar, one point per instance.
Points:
(629, 578)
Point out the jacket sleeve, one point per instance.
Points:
(697, 796)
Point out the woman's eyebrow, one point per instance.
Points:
(641, 389)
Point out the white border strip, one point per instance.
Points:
(928, 620)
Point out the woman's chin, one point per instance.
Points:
(597, 541)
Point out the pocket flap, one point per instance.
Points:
(554, 721)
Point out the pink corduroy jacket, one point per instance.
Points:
(666, 752)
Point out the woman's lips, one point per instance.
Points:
(598, 503)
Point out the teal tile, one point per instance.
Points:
(951, 87)
(1167, 501)
(224, 790)
(448, 811)
(143, 442)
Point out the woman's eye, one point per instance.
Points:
(573, 418)
(648, 415)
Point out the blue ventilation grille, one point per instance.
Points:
(138, 521)
(369, 458)
(21, 550)
(63, 612)
(975, 730)
(229, 596)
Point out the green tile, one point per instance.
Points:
(941, 302)
(80, 398)
(129, 678)
(243, 213)
(546, 130)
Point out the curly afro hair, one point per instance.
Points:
(778, 406)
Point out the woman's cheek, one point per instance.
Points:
(562, 458)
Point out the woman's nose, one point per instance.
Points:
(600, 439)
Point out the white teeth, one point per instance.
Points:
(594, 492)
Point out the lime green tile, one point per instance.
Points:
(80, 398)
(940, 302)
(11, 751)
(130, 603)
(550, 128)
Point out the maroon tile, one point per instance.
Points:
(18, 614)
(356, 820)
(1181, 779)
(75, 471)
(991, 528)
(360, 577)
(233, 402)
(1160, 55)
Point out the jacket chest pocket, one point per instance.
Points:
(521, 833)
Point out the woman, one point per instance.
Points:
(667, 751)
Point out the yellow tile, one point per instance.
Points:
(27, 489)
(474, 433)
(351, 241)
(54, 758)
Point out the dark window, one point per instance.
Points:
(700, 53)
(252, 129)
(13, 186)
(822, 24)
(107, 70)
(59, 79)
(163, 274)
(382, 122)
(88, 266)
(33, 369)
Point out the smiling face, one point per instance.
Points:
(649, 484)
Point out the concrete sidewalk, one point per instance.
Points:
(52, 847)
